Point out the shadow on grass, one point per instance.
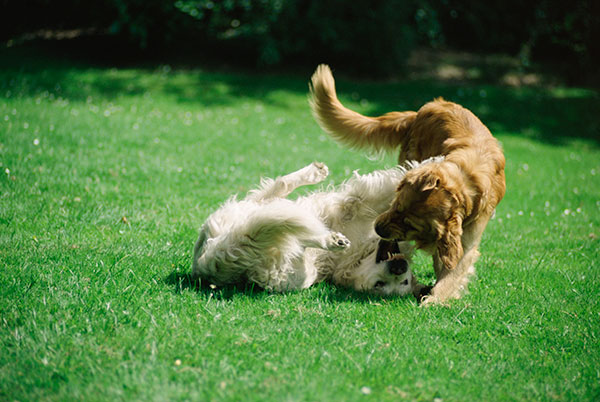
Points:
(183, 281)
(327, 292)
(549, 115)
(32, 71)
(323, 292)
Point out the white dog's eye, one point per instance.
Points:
(379, 284)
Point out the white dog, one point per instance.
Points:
(283, 244)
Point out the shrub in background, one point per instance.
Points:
(546, 30)
(369, 36)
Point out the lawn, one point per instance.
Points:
(107, 173)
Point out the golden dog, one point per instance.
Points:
(445, 206)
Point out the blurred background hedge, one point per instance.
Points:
(371, 36)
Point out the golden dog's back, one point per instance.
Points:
(439, 128)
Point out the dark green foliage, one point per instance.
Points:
(371, 36)
(549, 30)
(142, 23)
(313, 31)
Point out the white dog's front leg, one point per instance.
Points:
(314, 173)
(282, 186)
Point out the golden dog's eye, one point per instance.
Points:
(379, 284)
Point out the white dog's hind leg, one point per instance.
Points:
(331, 241)
(282, 186)
(283, 219)
(281, 233)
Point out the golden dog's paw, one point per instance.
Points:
(441, 296)
(428, 300)
(421, 291)
(432, 300)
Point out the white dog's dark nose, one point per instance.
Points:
(397, 266)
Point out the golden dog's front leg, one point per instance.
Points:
(451, 283)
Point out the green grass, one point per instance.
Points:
(106, 174)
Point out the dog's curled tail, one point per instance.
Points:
(349, 127)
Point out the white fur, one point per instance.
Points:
(284, 245)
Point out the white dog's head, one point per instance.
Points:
(385, 273)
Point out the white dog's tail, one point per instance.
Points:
(351, 128)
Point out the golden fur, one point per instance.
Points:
(445, 206)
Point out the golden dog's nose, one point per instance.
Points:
(382, 230)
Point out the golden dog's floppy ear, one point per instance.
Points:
(449, 246)
(428, 181)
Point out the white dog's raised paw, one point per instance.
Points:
(315, 173)
(337, 241)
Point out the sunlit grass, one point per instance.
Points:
(106, 174)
